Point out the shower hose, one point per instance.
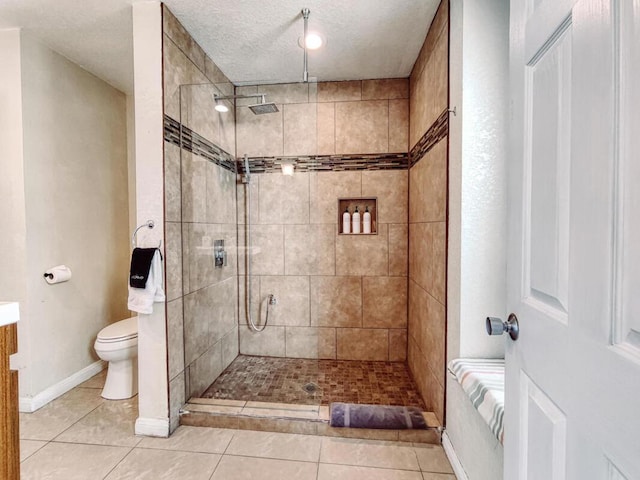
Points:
(247, 257)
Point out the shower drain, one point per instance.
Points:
(310, 387)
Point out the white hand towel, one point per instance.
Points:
(141, 299)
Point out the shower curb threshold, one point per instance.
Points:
(292, 418)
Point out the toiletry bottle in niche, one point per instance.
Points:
(366, 221)
(355, 221)
(346, 221)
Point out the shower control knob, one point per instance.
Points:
(219, 254)
(495, 326)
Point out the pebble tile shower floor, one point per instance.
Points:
(315, 382)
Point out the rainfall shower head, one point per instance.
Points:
(264, 107)
(258, 109)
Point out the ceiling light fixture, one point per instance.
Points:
(314, 41)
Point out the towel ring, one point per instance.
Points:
(149, 224)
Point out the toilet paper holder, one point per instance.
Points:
(57, 274)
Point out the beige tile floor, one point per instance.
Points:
(81, 436)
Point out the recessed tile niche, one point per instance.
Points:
(362, 203)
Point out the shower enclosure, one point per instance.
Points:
(277, 305)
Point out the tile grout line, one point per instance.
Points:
(78, 421)
(118, 463)
(376, 467)
(233, 435)
(35, 451)
(270, 458)
(216, 467)
(66, 442)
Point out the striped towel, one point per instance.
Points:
(483, 380)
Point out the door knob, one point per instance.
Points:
(495, 326)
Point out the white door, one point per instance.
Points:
(573, 376)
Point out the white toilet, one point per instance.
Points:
(118, 345)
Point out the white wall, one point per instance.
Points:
(484, 161)
(131, 155)
(153, 399)
(480, 44)
(477, 211)
(76, 208)
(13, 244)
(68, 197)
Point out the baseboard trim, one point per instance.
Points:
(31, 404)
(453, 458)
(152, 427)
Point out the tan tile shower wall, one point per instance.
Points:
(355, 117)
(427, 220)
(429, 80)
(200, 203)
(339, 297)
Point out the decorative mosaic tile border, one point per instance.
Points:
(329, 163)
(438, 130)
(197, 144)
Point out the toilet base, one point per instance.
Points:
(122, 379)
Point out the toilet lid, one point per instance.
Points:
(122, 330)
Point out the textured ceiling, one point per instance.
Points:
(95, 34)
(257, 40)
(252, 41)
